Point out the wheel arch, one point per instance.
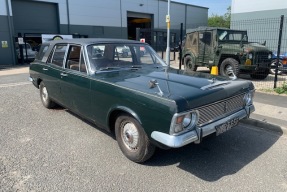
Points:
(115, 112)
(38, 82)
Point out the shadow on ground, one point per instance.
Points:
(220, 156)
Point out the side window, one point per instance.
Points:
(42, 52)
(73, 58)
(58, 55)
(205, 37)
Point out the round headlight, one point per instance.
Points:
(269, 56)
(250, 56)
(186, 121)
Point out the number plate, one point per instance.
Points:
(226, 126)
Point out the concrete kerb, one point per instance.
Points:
(267, 126)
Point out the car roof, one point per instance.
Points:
(88, 41)
(210, 29)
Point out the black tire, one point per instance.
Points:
(46, 100)
(189, 65)
(132, 139)
(273, 67)
(260, 75)
(229, 64)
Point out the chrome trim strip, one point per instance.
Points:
(176, 141)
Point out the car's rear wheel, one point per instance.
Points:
(132, 140)
(44, 95)
(189, 65)
(273, 67)
(229, 68)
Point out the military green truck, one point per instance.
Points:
(227, 49)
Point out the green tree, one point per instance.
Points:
(220, 20)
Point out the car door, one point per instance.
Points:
(75, 82)
(52, 71)
(205, 47)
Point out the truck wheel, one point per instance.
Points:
(132, 139)
(273, 67)
(44, 95)
(260, 75)
(189, 65)
(228, 65)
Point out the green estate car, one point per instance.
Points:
(137, 96)
(227, 49)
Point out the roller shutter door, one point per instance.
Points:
(35, 17)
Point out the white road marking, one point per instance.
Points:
(14, 84)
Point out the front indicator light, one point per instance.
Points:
(248, 62)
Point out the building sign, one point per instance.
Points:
(52, 37)
(4, 44)
(21, 41)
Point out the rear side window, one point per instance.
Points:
(75, 60)
(42, 52)
(58, 55)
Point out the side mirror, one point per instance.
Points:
(264, 43)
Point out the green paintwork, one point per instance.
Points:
(208, 55)
(99, 96)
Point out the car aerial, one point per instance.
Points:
(140, 99)
(282, 63)
(227, 49)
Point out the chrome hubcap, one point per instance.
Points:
(130, 136)
(44, 94)
(229, 71)
(273, 66)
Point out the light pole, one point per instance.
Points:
(168, 34)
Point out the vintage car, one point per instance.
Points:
(282, 63)
(145, 103)
(28, 52)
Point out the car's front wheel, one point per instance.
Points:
(229, 67)
(273, 67)
(132, 139)
(45, 98)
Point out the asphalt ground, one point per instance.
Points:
(55, 150)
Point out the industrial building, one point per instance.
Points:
(262, 20)
(88, 18)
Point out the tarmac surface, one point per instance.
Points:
(270, 109)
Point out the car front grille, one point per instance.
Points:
(262, 57)
(214, 111)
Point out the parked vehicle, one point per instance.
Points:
(141, 100)
(228, 49)
(28, 53)
(282, 64)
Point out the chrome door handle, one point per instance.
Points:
(45, 69)
(64, 74)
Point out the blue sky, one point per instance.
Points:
(218, 7)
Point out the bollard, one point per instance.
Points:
(214, 70)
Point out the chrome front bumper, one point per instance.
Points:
(196, 135)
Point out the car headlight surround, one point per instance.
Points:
(269, 56)
(248, 97)
(183, 122)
